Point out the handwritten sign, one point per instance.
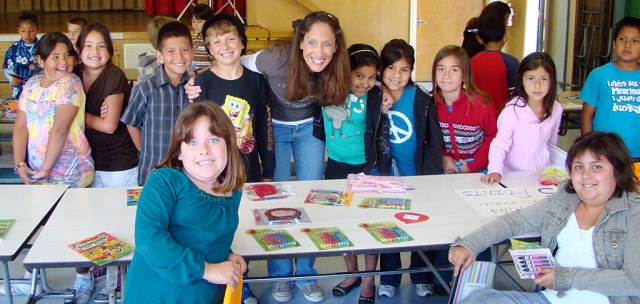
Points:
(496, 202)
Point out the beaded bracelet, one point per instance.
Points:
(20, 164)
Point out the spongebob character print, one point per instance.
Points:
(238, 111)
(244, 100)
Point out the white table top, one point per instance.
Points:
(27, 205)
(434, 196)
(521, 179)
(570, 101)
(80, 214)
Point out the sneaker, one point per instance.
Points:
(312, 292)
(247, 295)
(423, 290)
(281, 291)
(387, 290)
(17, 289)
(250, 300)
(84, 288)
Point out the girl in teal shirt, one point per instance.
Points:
(188, 213)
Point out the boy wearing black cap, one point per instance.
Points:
(242, 95)
(240, 92)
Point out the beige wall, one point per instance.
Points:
(373, 22)
(515, 44)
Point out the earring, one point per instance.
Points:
(464, 86)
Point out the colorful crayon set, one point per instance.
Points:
(327, 238)
(133, 195)
(386, 203)
(386, 233)
(527, 261)
(329, 198)
(270, 239)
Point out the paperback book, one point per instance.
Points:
(5, 225)
(102, 248)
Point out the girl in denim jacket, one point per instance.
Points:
(592, 225)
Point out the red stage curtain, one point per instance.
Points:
(175, 7)
(241, 6)
(164, 7)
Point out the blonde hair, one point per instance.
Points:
(154, 27)
(219, 28)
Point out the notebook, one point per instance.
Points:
(479, 275)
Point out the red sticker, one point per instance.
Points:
(411, 217)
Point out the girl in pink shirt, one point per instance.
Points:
(528, 121)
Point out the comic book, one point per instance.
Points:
(5, 225)
(133, 195)
(102, 248)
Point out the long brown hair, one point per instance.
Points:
(233, 176)
(532, 62)
(467, 80)
(332, 85)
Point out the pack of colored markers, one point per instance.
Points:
(386, 233)
(527, 261)
(270, 239)
(327, 238)
(328, 197)
(386, 203)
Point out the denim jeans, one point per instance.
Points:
(308, 152)
(284, 268)
(390, 261)
(438, 258)
(492, 296)
(308, 156)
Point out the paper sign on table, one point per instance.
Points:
(495, 202)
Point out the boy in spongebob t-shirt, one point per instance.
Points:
(240, 92)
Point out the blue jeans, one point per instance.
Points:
(493, 296)
(390, 261)
(438, 258)
(308, 152)
(308, 156)
(284, 268)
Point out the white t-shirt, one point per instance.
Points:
(575, 249)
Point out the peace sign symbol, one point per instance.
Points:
(399, 135)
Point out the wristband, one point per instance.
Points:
(45, 170)
(20, 164)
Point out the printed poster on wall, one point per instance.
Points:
(496, 202)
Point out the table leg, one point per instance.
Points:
(112, 283)
(123, 278)
(7, 281)
(66, 295)
(435, 272)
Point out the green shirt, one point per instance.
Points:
(345, 127)
(178, 228)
